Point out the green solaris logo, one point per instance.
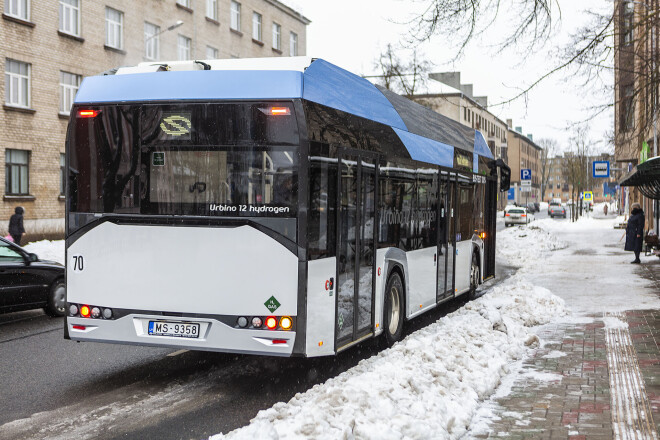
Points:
(272, 304)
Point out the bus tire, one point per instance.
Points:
(475, 274)
(56, 299)
(393, 317)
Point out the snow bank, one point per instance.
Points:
(429, 385)
(48, 250)
(519, 244)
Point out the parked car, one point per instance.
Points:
(517, 216)
(26, 282)
(507, 208)
(531, 207)
(556, 211)
(553, 203)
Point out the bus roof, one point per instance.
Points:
(428, 136)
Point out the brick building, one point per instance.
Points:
(48, 46)
(524, 154)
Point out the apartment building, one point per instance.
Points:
(558, 186)
(523, 154)
(635, 96)
(48, 46)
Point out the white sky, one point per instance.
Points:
(352, 34)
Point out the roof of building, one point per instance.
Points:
(428, 136)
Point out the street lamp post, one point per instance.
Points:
(171, 28)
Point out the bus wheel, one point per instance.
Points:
(475, 274)
(393, 310)
(56, 299)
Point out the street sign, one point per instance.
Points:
(525, 174)
(526, 183)
(525, 189)
(588, 196)
(511, 194)
(601, 168)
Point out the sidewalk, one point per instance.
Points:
(597, 374)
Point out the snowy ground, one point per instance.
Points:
(439, 381)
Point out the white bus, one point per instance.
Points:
(269, 206)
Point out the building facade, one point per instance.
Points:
(524, 154)
(558, 186)
(48, 46)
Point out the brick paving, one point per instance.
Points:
(564, 389)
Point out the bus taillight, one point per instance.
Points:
(87, 113)
(276, 111)
(271, 323)
(286, 323)
(85, 311)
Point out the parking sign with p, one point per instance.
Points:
(525, 174)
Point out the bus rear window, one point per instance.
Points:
(237, 159)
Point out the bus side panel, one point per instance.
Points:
(463, 265)
(228, 271)
(422, 270)
(321, 296)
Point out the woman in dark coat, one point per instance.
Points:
(16, 225)
(635, 231)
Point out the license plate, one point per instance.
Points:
(173, 328)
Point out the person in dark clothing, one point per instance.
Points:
(635, 231)
(16, 229)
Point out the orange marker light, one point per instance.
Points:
(87, 113)
(271, 323)
(286, 323)
(275, 111)
(85, 311)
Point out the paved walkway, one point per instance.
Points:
(594, 378)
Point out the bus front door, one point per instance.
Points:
(356, 247)
(452, 213)
(443, 235)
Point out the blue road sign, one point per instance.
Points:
(511, 194)
(601, 168)
(525, 174)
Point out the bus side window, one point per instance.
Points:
(321, 220)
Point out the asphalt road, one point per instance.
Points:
(58, 389)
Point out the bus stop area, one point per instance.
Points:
(596, 374)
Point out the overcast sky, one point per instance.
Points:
(353, 33)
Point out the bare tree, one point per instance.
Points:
(400, 76)
(549, 150)
(576, 162)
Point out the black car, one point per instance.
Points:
(26, 282)
(531, 207)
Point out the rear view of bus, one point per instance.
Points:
(182, 211)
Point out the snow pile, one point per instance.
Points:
(429, 385)
(520, 243)
(48, 250)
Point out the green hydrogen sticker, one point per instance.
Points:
(272, 304)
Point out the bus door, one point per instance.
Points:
(443, 223)
(356, 246)
(452, 213)
(490, 206)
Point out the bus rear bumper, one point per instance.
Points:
(213, 335)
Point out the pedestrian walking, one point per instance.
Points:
(635, 231)
(605, 209)
(16, 229)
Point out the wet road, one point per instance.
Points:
(58, 389)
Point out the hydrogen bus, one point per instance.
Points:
(267, 206)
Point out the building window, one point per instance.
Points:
(235, 16)
(212, 9)
(18, 9)
(62, 174)
(151, 41)
(16, 172)
(627, 108)
(183, 48)
(185, 3)
(256, 26)
(69, 83)
(627, 30)
(211, 53)
(277, 36)
(293, 44)
(17, 83)
(113, 28)
(70, 17)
